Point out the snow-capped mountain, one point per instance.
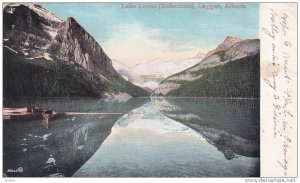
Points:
(35, 32)
(164, 68)
(150, 74)
(121, 69)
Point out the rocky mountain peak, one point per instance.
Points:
(231, 40)
(231, 49)
(39, 10)
(71, 21)
(74, 44)
(44, 13)
(33, 31)
(227, 43)
(72, 26)
(240, 56)
(26, 30)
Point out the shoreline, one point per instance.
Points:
(151, 97)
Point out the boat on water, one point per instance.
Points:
(7, 110)
(19, 113)
(23, 113)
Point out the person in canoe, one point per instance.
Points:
(35, 110)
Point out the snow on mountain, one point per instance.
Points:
(53, 22)
(44, 13)
(31, 31)
(119, 66)
(121, 69)
(52, 30)
(162, 68)
(150, 74)
(10, 8)
(148, 117)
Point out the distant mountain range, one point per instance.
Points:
(148, 75)
(230, 70)
(46, 56)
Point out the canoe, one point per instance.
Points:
(12, 113)
(22, 117)
(15, 110)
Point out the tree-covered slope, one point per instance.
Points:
(46, 56)
(234, 79)
(45, 78)
(230, 70)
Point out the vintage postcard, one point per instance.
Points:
(149, 89)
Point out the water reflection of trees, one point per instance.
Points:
(232, 126)
(70, 140)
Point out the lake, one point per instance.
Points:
(158, 137)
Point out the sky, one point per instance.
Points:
(138, 35)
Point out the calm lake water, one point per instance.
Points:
(152, 138)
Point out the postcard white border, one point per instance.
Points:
(266, 146)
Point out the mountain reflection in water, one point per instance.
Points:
(158, 138)
(166, 139)
(230, 125)
(70, 140)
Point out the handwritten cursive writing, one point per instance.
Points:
(279, 83)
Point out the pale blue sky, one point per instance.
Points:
(135, 35)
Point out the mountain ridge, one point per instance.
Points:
(232, 62)
(33, 32)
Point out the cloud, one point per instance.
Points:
(134, 43)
